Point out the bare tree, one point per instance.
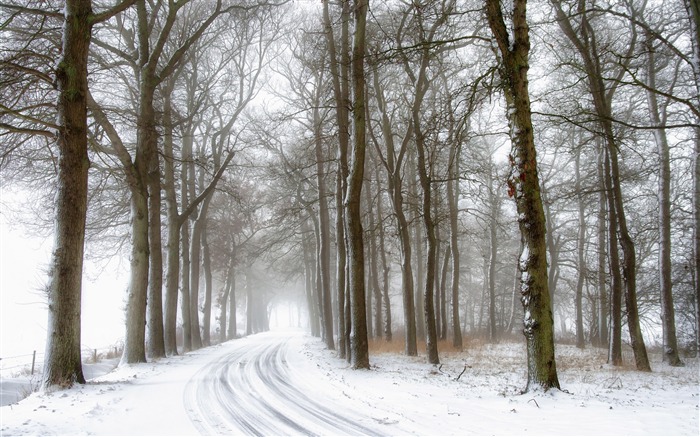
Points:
(513, 54)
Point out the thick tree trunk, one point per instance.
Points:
(134, 339)
(696, 233)
(524, 187)
(358, 337)
(62, 359)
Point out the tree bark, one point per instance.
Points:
(134, 339)
(62, 359)
(358, 337)
(524, 187)
(431, 257)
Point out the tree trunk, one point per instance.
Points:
(206, 264)
(341, 95)
(431, 258)
(250, 312)
(374, 262)
(493, 257)
(134, 339)
(524, 187)
(172, 245)
(226, 292)
(693, 8)
(615, 352)
(443, 292)
(452, 199)
(394, 166)
(581, 260)
(62, 360)
(156, 339)
(495, 212)
(324, 256)
(232, 316)
(309, 278)
(418, 245)
(195, 274)
(385, 271)
(358, 337)
(186, 178)
(668, 318)
(604, 308)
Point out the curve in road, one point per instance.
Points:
(253, 390)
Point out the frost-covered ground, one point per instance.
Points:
(400, 395)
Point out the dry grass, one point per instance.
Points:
(445, 347)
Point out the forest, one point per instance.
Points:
(416, 169)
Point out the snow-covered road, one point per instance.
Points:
(262, 387)
(287, 383)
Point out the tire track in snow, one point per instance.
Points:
(253, 390)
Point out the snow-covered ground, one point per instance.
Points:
(475, 392)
